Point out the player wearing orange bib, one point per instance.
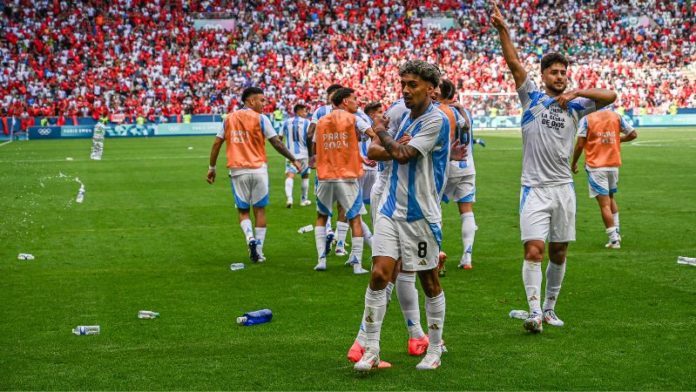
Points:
(600, 135)
(245, 132)
(339, 166)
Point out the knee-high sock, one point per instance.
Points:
(341, 233)
(468, 233)
(407, 294)
(435, 313)
(320, 239)
(357, 252)
(362, 335)
(375, 307)
(260, 238)
(616, 222)
(367, 234)
(305, 188)
(247, 229)
(532, 277)
(288, 188)
(554, 279)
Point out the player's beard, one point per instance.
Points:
(552, 87)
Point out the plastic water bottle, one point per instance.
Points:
(237, 266)
(686, 260)
(305, 229)
(80, 194)
(147, 314)
(519, 314)
(256, 317)
(86, 330)
(25, 256)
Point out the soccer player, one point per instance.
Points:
(245, 132)
(294, 133)
(338, 168)
(547, 200)
(600, 135)
(409, 218)
(461, 175)
(371, 112)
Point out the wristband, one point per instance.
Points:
(211, 168)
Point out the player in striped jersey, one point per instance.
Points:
(294, 132)
(461, 175)
(409, 218)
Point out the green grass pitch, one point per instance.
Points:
(152, 234)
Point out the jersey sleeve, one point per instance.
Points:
(361, 125)
(581, 107)
(626, 128)
(527, 91)
(284, 129)
(315, 115)
(425, 140)
(582, 127)
(267, 127)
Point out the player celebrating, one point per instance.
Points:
(245, 132)
(338, 168)
(600, 136)
(547, 201)
(461, 175)
(409, 218)
(294, 133)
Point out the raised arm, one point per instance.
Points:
(509, 51)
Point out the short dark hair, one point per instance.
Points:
(447, 89)
(298, 107)
(333, 88)
(422, 69)
(372, 107)
(341, 94)
(553, 58)
(249, 91)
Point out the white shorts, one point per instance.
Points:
(346, 193)
(460, 189)
(375, 196)
(416, 243)
(548, 213)
(603, 182)
(250, 189)
(367, 181)
(290, 168)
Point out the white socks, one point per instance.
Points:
(357, 252)
(531, 277)
(407, 294)
(305, 188)
(362, 335)
(613, 233)
(375, 307)
(342, 232)
(260, 239)
(246, 228)
(320, 238)
(435, 313)
(468, 233)
(554, 279)
(367, 234)
(328, 226)
(616, 222)
(288, 188)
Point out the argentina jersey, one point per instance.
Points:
(364, 140)
(321, 112)
(295, 133)
(548, 132)
(465, 167)
(414, 189)
(394, 114)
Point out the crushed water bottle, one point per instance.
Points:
(305, 229)
(147, 314)
(86, 330)
(25, 256)
(519, 314)
(237, 266)
(686, 260)
(80, 194)
(256, 317)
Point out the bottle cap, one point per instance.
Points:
(241, 320)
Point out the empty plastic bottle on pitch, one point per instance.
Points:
(519, 314)
(305, 229)
(237, 266)
(257, 317)
(147, 314)
(86, 330)
(80, 194)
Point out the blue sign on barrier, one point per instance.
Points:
(203, 128)
(44, 132)
(129, 130)
(77, 131)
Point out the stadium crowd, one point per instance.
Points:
(129, 58)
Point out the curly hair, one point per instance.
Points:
(422, 69)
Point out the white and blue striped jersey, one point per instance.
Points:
(396, 113)
(321, 112)
(548, 133)
(364, 141)
(414, 189)
(294, 131)
(465, 167)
